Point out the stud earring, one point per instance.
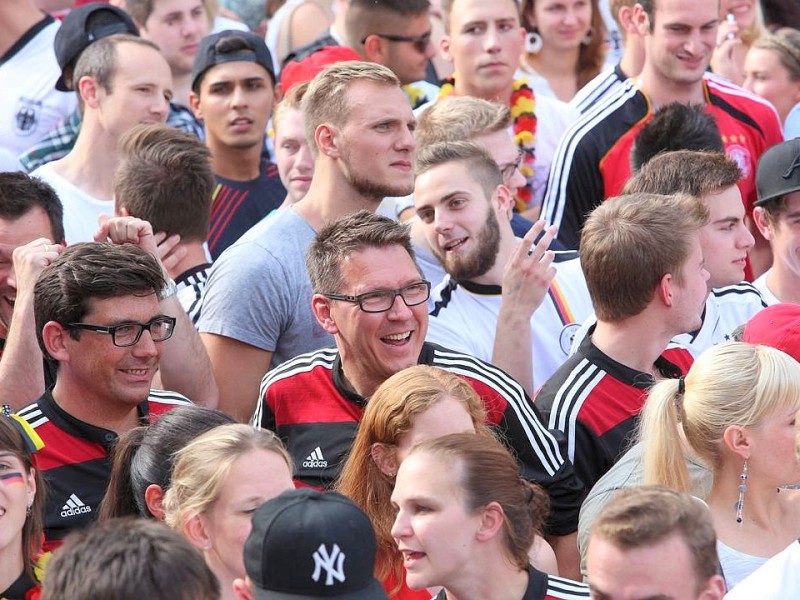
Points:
(587, 39)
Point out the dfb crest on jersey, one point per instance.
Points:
(27, 115)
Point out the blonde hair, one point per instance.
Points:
(729, 384)
(390, 414)
(327, 100)
(202, 465)
(457, 118)
(292, 100)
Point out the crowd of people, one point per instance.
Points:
(399, 299)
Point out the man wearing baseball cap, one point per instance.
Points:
(233, 92)
(777, 215)
(307, 544)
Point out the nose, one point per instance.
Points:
(146, 347)
(746, 239)
(399, 310)
(430, 49)
(491, 39)
(160, 108)
(441, 223)
(239, 97)
(406, 142)
(305, 162)
(400, 528)
(516, 181)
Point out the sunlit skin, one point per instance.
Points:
(17, 489)
(678, 47)
(14, 233)
(375, 346)
(659, 571)
(227, 523)
(293, 155)
(177, 26)
(404, 58)
(766, 76)
(784, 239)
(561, 23)
(689, 296)
(484, 44)
(725, 239)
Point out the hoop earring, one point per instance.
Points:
(533, 42)
(587, 39)
(742, 490)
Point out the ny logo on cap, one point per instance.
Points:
(792, 167)
(333, 564)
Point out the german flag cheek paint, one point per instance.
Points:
(13, 477)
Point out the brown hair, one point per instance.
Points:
(691, 172)
(457, 118)
(165, 177)
(488, 473)
(592, 56)
(389, 415)
(479, 165)
(350, 234)
(643, 516)
(630, 242)
(11, 440)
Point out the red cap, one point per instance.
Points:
(305, 70)
(777, 326)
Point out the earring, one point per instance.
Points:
(533, 42)
(587, 39)
(742, 490)
(28, 511)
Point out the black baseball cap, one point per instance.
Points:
(778, 171)
(254, 50)
(307, 544)
(84, 25)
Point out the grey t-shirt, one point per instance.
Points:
(259, 293)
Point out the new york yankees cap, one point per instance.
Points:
(84, 25)
(778, 171)
(208, 53)
(309, 544)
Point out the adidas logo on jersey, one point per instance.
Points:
(74, 506)
(315, 460)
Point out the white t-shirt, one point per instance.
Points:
(30, 105)
(761, 285)
(81, 211)
(777, 579)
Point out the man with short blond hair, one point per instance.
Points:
(256, 312)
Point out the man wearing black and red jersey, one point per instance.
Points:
(592, 161)
(98, 317)
(644, 267)
(369, 294)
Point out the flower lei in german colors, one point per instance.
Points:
(523, 111)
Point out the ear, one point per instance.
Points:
(89, 91)
(243, 589)
(761, 222)
(31, 486)
(625, 18)
(492, 522)
(374, 49)
(714, 590)
(154, 499)
(640, 20)
(503, 199)
(194, 104)
(737, 440)
(385, 458)
(195, 531)
(321, 307)
(55, 341)
(664, 290)
(326, 140)
(444, 48)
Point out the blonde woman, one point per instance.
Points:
(740, 24)
(736, 410)
(219, 480)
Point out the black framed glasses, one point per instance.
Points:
(508, 170)
(378, 301)
(128, 334)
(420, 41)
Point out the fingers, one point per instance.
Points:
(31, 258)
